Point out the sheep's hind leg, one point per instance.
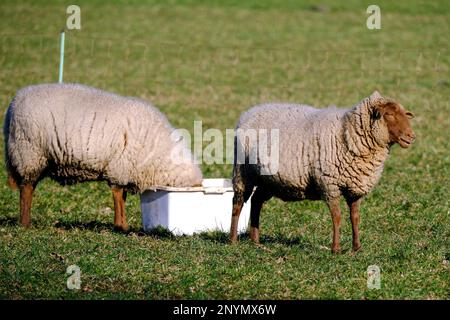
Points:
(120, 219)
(238, 203)
(258, 199)
(335, 209)
(26, 196)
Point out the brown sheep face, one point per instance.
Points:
(397, 122)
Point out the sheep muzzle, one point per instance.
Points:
(398, 124)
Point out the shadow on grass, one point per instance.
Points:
(94, 225)
(163, 233)
(9, 221)
(223, 237)
(98, 226)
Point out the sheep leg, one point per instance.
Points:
(238, 203)
(124, 216)
(120, 220)
(258, 199)
(26, 196)
(354, 217)
(335, 209)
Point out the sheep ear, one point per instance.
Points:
(376, 114)
(375, 105)
(379, 108)
(375, 96)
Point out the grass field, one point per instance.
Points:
(209, 61)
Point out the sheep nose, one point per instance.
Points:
(411, 135)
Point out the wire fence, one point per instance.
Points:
(195, 68)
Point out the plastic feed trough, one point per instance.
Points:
(193, 209)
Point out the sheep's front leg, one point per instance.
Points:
(354, 217)
(335, 209)
(120, 219)
(26, 196)
(257, 202)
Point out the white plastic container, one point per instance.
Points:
(192, 210)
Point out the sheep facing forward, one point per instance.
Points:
(74, 133)
(323, 155)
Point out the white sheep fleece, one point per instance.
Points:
(323, 153)
(76, 133)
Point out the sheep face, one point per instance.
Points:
(397, 122)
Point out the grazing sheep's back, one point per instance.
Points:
(80, 133)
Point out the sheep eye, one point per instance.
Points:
(409, 115)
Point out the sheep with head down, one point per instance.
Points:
(323, 154)
(74, 133)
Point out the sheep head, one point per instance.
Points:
(395, 118)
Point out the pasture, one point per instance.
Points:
(210, 61)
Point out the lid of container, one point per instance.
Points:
(209, 186)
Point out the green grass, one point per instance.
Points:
(209, 61)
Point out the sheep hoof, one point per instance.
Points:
(25, 225)
(336, 250)
(356, 248)
(121, 228)
(254, 235)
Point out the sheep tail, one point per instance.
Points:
(12, 183)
